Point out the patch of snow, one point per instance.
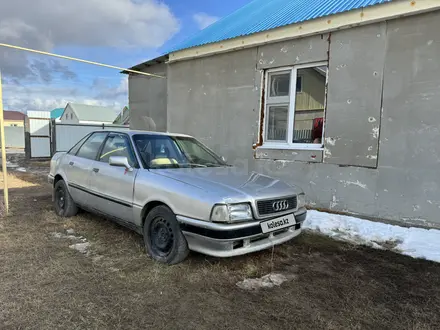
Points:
(58, 235)
(266, 282)
(70, 232)
(11, 165)
(21, 169)
(81, 247)
(414, 242)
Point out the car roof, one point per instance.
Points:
(134, 132)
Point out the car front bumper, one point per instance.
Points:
(228, 240)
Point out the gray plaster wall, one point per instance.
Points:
(147, 98)
(217, 99)
(354, 97)
(381, 156)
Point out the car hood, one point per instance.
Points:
(231, 184)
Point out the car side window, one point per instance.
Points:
(91, 147)
(117, 145)
(76, 147)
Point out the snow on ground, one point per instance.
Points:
(414, 242)
(265, 282)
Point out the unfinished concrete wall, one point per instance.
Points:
(354, 99)
(217, 100)
(147, 98)
(377, 163)
(409, 176)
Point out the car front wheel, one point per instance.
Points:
(64, 204)
(163, 238)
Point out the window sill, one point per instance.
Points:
(292, 147)
(290, 153)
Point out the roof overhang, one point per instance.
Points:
(139, 67)
(322, 25)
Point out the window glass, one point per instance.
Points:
(277, 123)
(299, 84)
(116, 145)
(309, 105)
(279, 84)
(91, 147)
(161, 151)
(76, 147)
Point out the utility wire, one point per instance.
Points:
(80, 60)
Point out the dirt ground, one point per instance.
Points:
(47, 285)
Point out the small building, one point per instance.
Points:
(13, 118)
(340, 97)
(56, 114)
(123, 118)
(87, 114)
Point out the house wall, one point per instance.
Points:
(381, 150)
(14, 123)
(69, 116)
(147, 98)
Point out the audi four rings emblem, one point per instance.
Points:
(280, 205)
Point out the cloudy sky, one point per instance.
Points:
(118, 32)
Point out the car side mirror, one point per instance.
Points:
(120, 162)
(224, 159)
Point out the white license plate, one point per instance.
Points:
(278, 223)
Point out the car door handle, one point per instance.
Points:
(71, 163)
(96, 170)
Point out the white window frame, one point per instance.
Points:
(291, 99)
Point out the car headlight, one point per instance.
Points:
(301, 200)
(231, 213)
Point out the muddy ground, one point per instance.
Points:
(114, 285)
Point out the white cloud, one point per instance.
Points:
(48, 97)
(204, 20)
(43, 24)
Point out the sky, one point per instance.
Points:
(116, 32)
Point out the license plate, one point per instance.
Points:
(278, 223)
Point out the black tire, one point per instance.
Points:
(163, 238)
(64, 204)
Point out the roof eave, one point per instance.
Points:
(139, 67)
(326, 24)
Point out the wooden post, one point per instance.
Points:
(3, 145)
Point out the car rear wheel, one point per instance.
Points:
(163, 238)
(64, 204)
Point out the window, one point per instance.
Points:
(294, 107)
(117, 145)
(76, 147)
(91, 147)
(159, 151)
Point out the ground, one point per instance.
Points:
(332, 285)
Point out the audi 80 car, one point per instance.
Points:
(177, 193)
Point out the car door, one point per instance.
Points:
(112, 186)
(78, 165)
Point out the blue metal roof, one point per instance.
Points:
(262, 15)
(56, 113)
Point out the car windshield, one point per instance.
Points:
(163, 151)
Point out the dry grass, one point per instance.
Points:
(46, 285)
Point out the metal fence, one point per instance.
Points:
(14, 137)
(65, 136)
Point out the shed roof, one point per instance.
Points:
(92, 112)
(263, 15)
(13, 115)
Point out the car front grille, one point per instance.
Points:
(274, 206)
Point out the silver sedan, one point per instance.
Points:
(177, 193)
